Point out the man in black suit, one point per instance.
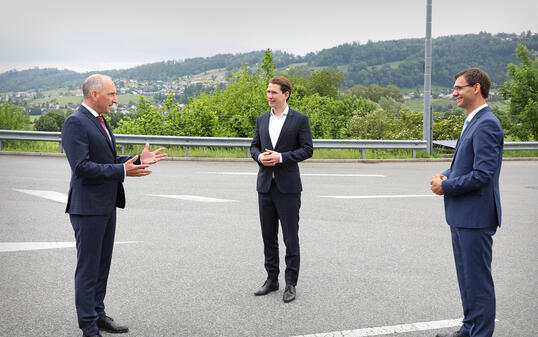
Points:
(282, 138)
(96, 189)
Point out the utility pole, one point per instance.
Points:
(427, 131)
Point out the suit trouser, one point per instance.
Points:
(275, 206)
(94, 235)
(473, 254)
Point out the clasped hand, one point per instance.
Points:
(436, 184)
(269, 158)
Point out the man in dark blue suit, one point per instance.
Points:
(472, 202)
(282, 138)
(95, 191)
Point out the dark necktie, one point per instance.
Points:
(102, 121)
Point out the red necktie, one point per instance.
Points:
(102, 121)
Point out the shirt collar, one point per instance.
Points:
(475, 111)
(95, 114)
(284, 113)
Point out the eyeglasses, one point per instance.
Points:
(458, 87)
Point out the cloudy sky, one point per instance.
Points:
(108, 34)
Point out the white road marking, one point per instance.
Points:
(236, 173)
(388, 330)
(20, 246)
(191, 198)
(340, 175)
(305, 174)
(50, 195)
(378, 196)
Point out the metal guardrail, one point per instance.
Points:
(242, 142)
(508, 146)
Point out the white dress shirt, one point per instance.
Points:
(275, 126)
(471, 115)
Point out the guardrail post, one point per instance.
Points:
(414, 153)
(0, 145)
(186, 151)
(248, 152)
(122, 150)
(363, 153)
(61, 149)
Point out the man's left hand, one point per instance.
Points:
(152, 157)
(270, 158)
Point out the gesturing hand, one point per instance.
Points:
(152, 157)
(132, 170)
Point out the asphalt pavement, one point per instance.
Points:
(375, 252)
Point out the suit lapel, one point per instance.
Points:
(95, 121)
(265, 130)
(473, 122)
(111, 140)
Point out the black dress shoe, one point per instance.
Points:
(98, 335)
(107, 324)
(452, 334)
(268, 286)
(289, 293)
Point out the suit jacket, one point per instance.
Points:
(294, 144)
(97, 172)
(472, 198)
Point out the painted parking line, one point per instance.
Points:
(50, 195)
(235, 173)
(388, 330)
(304, 174)
(378, 196)
(21, 246)
(190, 198)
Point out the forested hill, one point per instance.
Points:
(399, 62)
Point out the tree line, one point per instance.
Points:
(397, 62)
(363, 112)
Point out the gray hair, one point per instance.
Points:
(93, 82)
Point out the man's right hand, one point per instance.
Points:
(132, 170)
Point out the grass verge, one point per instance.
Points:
(234, 152)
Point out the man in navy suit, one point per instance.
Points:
(96, 189)
(472, 202)
(282, 138)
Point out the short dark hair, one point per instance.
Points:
(285, 84)
(476, 75)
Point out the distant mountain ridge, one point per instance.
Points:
(399, 62)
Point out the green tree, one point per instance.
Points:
(12, 118)
(374, 92)
(448, 128)
(114, 118)
(522, 90)
(51, 121)
(147, 120)
(374, 125)
(268, 66)
(324, 82)
(46, 123)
